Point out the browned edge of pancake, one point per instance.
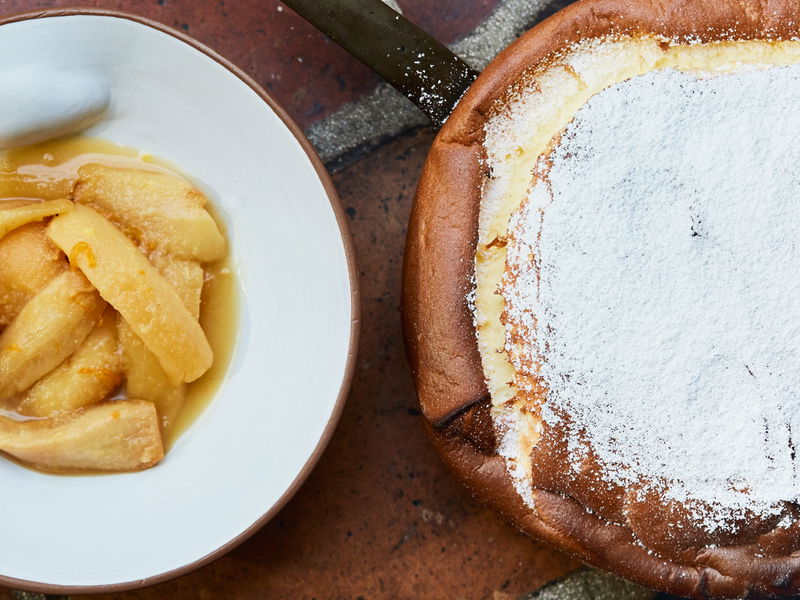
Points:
(438, 325)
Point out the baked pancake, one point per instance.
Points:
(600, 291)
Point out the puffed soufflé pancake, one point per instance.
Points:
(601, 291)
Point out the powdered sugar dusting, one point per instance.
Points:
(508, 422)
(656, 265)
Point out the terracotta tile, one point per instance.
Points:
(309, 75)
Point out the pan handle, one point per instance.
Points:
(423, 69)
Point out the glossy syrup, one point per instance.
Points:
(46, 171)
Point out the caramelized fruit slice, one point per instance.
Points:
(113, 436)
(33, 186)
(48, 329)
(161, 211)
(127, 280)
(28, 261)
(144, 376)
(186, 276)
(87, 377)
(6, 203)
(11, 218)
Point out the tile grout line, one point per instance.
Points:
(590, 584)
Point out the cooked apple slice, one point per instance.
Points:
(11, 218)
(122, 435)
(158, 210)
(145, 379)
(144, 376)
(86, 377)
(186, 276)
(126, 280)
(28, 261)
(17, 185)
(15, 203)
(48, 329)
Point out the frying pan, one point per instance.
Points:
(439, 274)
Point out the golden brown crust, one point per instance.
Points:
(442, 345)
(437, 279)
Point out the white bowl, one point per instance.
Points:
(244, 457)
